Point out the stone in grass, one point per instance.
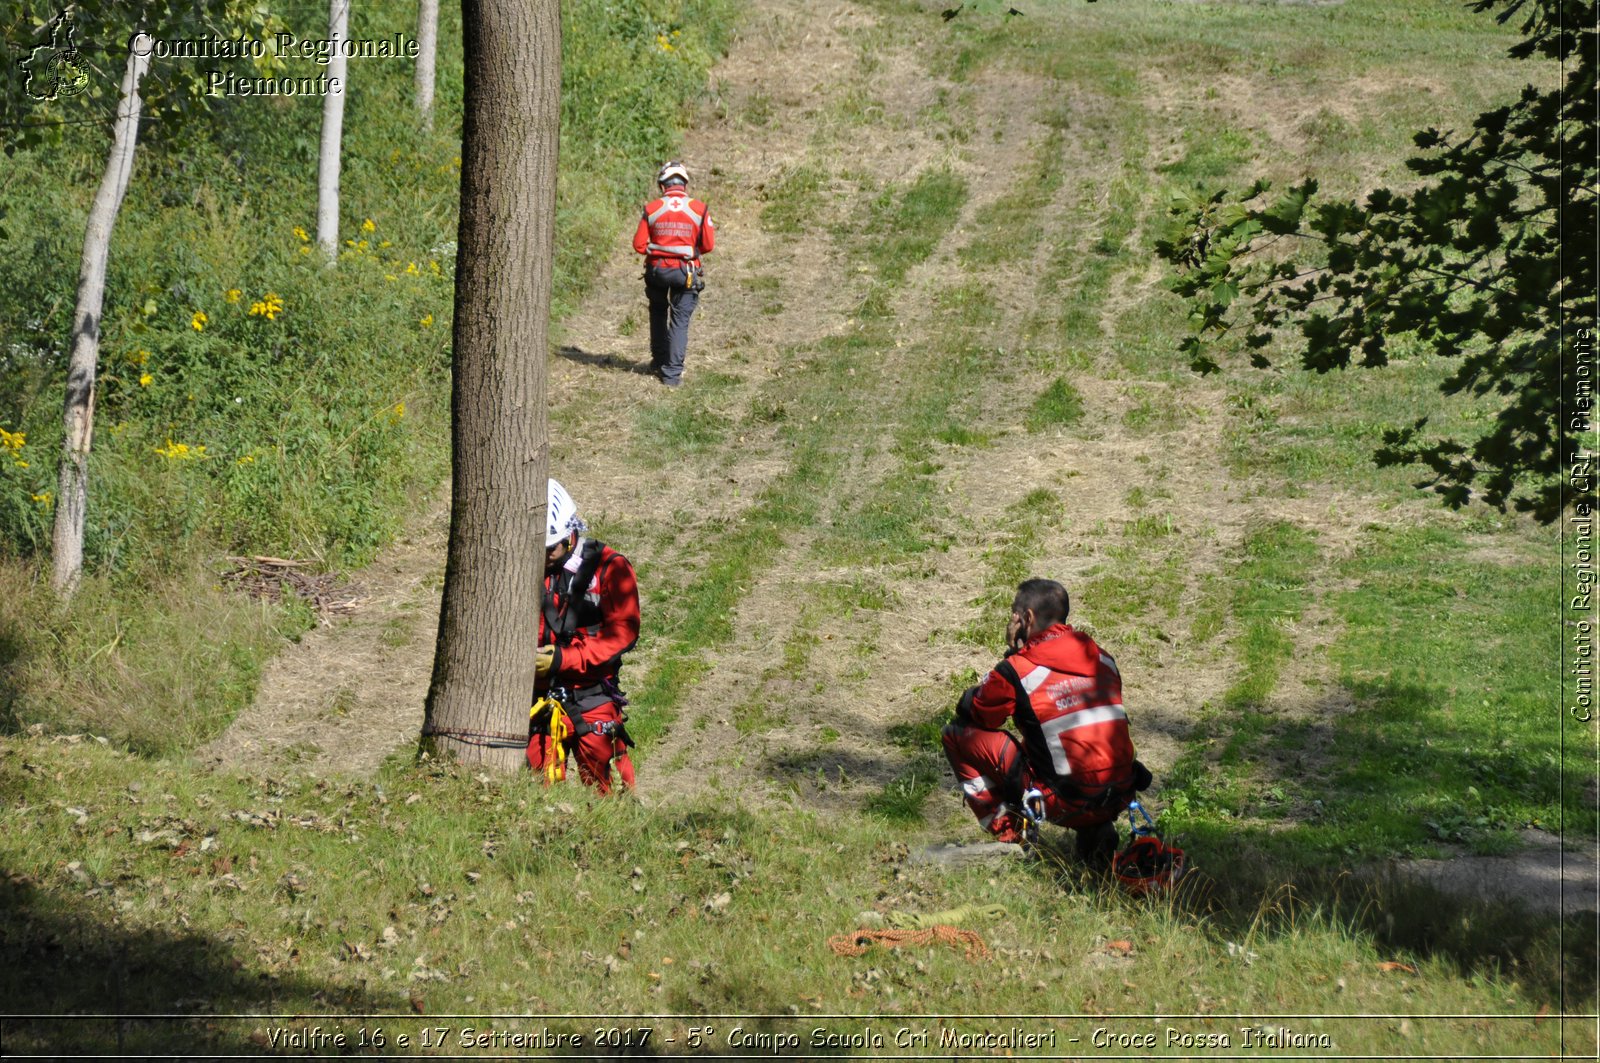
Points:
(952, 854)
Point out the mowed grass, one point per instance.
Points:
(426, 895)
(430, 893)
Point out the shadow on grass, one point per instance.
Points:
(75, 981)
(1363, 783)
(602, 361)
(13, 652)
(1247, 893)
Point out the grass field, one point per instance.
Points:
(935, 358)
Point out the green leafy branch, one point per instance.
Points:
(1482, 263)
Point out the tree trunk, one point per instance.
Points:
(427, 46)
(72, 494)
(488, 621)
(332, 131)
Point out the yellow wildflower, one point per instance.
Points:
(304, 250)
(199, 320)
(21, 464)
(433, 264)
(662, 42)
(12, 441)
(411, 269)
(268, 306)
(248, 459)
(399, 409)
(181, 451)
(145, 379)
(426, 322)
(231, 295)
(368, 226)
(139, 357)
(304, 236)
(45, 499)
(390, 277)
(385, 243)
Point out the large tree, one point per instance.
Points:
(1489, 261)
(483, 675)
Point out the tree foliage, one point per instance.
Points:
(175, 94)
(1487, 261)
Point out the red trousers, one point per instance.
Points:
(594, 752)
(984, 761)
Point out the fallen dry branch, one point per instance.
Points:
(275, 578)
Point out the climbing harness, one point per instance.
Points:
(1147, 865)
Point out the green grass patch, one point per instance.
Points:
(792, 200)
(1278, 562)
(1058, 405)
(904, 226)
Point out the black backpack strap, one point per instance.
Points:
(561, 621)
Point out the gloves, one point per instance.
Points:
(543, 658)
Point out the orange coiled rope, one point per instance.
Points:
(855, 943)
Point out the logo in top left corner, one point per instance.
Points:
(56, 70)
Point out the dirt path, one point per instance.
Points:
(348, 694)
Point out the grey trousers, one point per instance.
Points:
(670, 310)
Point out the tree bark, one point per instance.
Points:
(72, 494)
(427, 47)
(483, 676)
(332, 131)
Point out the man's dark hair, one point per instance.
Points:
(1047, 598)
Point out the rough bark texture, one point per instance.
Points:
(488, 619)
(72, 494)
(332, 132)
(427, 48)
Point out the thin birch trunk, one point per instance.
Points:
(72, 494)
(332, 132)
(427, 46)
(483, 675)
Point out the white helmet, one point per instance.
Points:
(563, 515)
(673, 171)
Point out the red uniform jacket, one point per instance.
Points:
(1066, 695)
(606, 613)
(674, 229)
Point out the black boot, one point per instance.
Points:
(1097, 845)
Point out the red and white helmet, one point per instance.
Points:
(563, 515)
(673, 172)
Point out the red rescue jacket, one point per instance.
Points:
(674, 229)
(592, 626)
(1066, 695)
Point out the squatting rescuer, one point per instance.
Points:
(1065, 694)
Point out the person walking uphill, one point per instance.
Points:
(1065, 694)
(674, 231)
(590, 619)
